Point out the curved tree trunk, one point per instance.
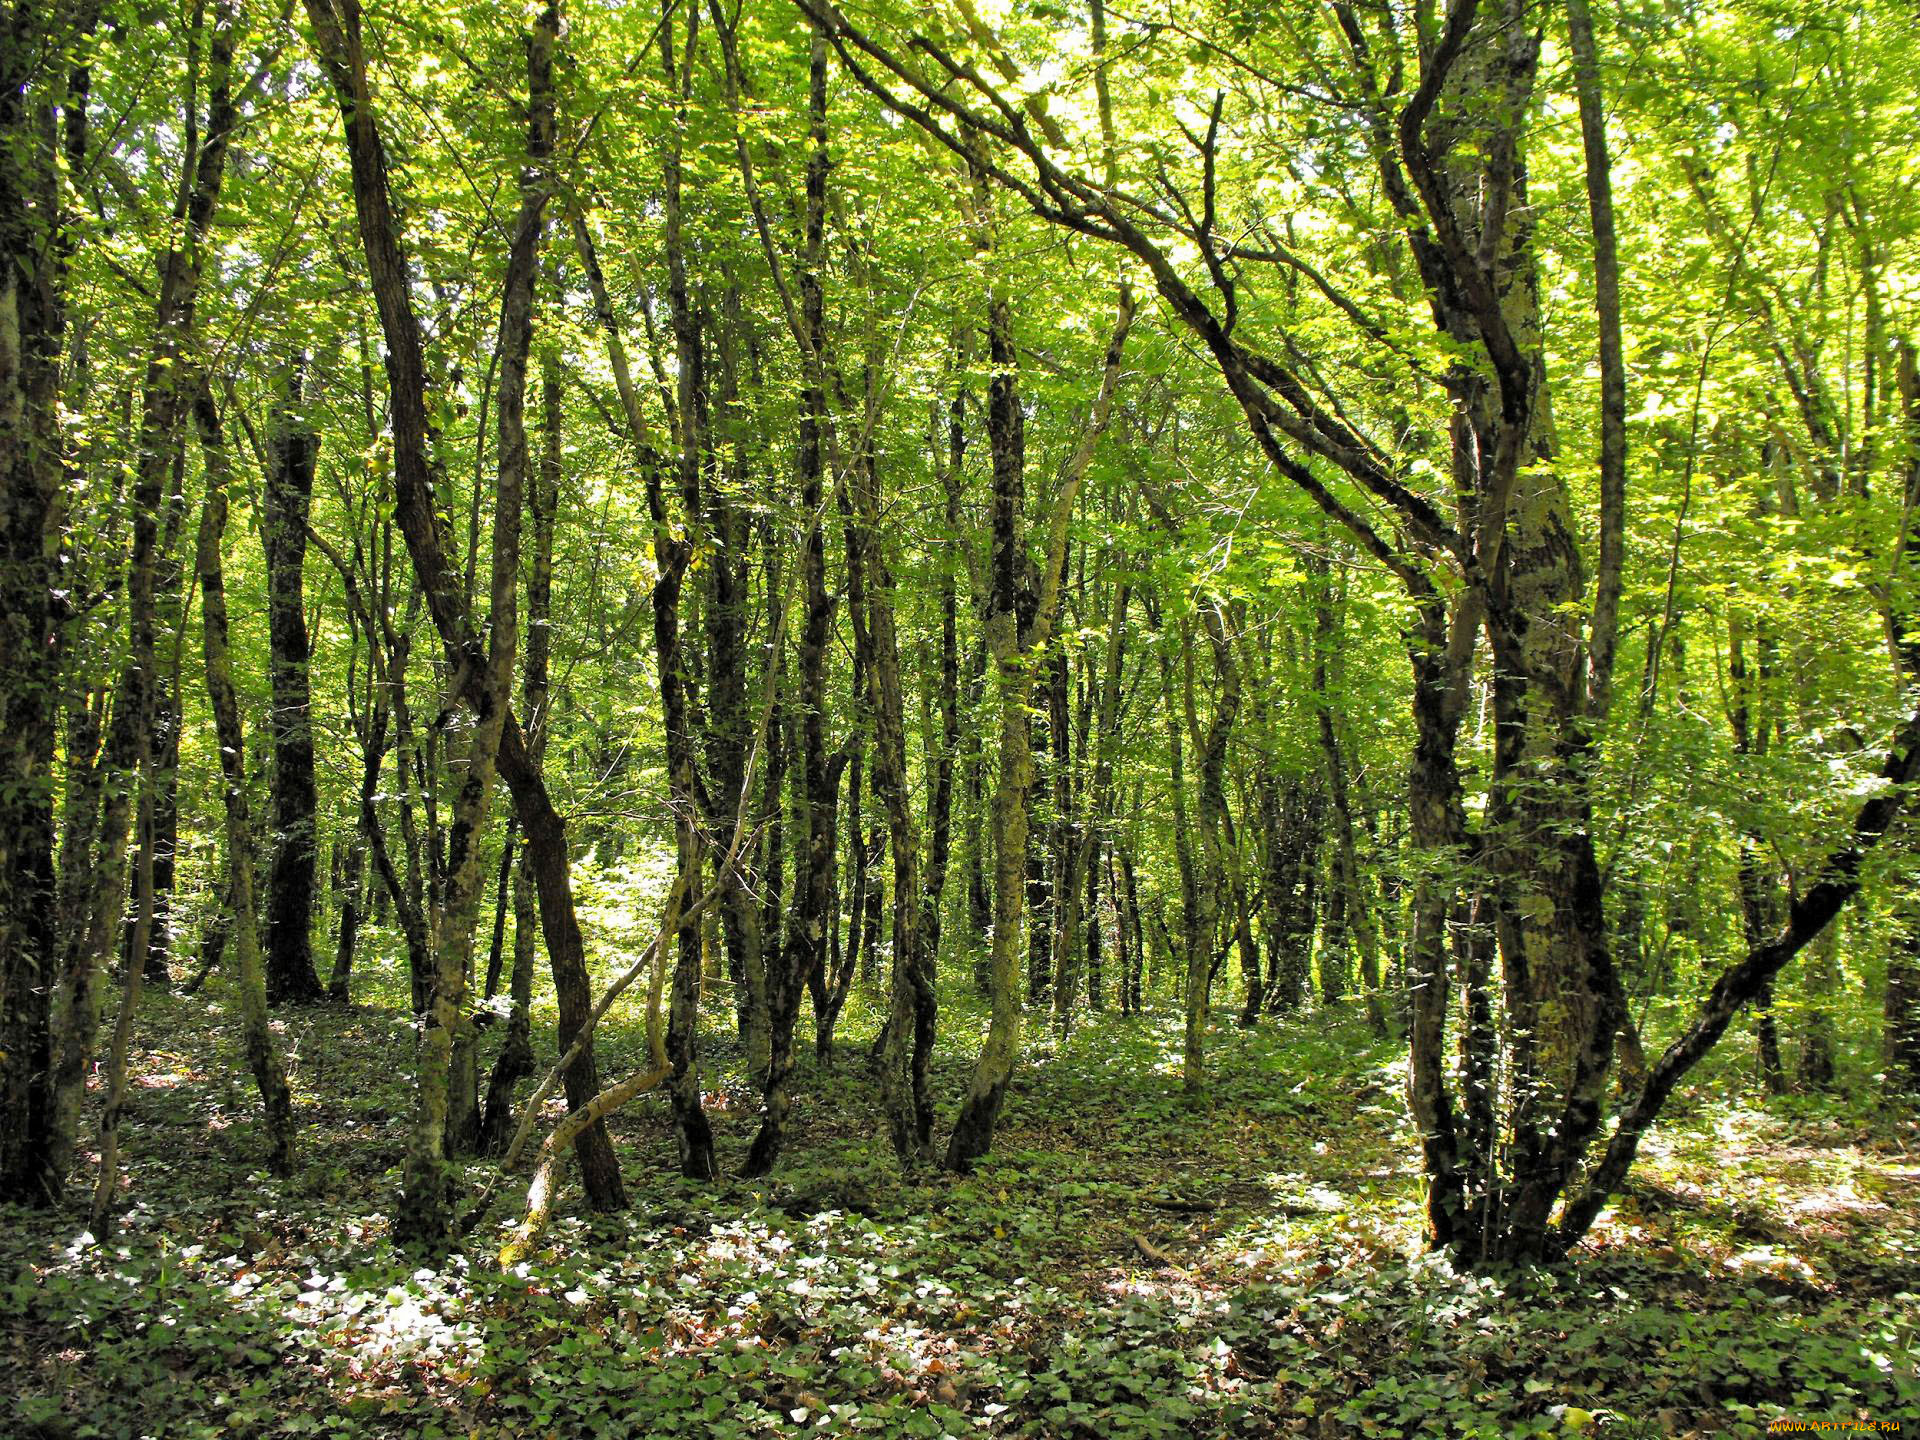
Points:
(425, 1217)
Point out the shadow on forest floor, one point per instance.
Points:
(1121, 1266)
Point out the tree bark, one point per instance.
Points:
(425, 1217)
(33, 249)
(515, 1060)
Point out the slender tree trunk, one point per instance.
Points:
(75, 1006)
(76, 998)
(1064, 881)
(1132, 946)
(515, 1060)
(1816, 1026)
(1196, 918)
(1216, 833)
(1042, 801)
(1751, 740)
(163, 402)
(170, 626)
(1902, 1008)
(1347, 894)
(819, 778)
(1013, 648)
(352, 899)
(425, 1217)
(1900, 1012)
(262, 1053)
(979, 909)
(729, 724)
(755, 1036)
(693, 1134)
(1006, 437)
(940, 767)
(912, 1009)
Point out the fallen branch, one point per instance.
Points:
(1158, 1256)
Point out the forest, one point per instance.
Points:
(1057, 718)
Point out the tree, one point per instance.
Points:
(1451, 157)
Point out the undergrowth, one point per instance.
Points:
(1121, 1266)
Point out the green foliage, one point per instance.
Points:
(1015, 1302)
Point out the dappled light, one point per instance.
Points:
(1107, 1271)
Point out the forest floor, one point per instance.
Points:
(1121, 1266)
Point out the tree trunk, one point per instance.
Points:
(169, 626)
(1347, 894)
(1013, 648)
(730, 726)
(912, 1011)
(262, 1053)
(1195, 911)
(33, 248)
(819, 778)
(352, 895)
(1902, 1008)
(972, 1133)
(515, 1060)
(979, 909)
(163, 402)
(293, 447)
(425, 1217)
(339, 50)
(940, 766)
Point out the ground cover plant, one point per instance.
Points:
(1106, 1273)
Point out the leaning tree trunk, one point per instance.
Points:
(425, 1218)
(339, 49)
